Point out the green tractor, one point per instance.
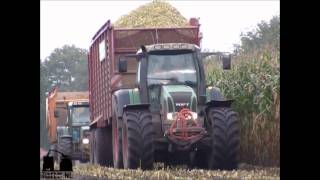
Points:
(73, 137)
(172, 116)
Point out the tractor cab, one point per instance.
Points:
(79, 114)
(78, 121)
(172, 77)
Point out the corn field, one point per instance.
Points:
(254, 84)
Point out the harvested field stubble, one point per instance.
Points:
(245, 172)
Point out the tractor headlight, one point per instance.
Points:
(194, 115)
(169, 116)
(85, 141)
(172, 116)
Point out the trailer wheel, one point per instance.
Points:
(225, 138)
(137, 140)
(103, 146)
(117, 141)
(83, 160)
(92, 147)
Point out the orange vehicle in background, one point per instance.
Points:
(67, 121)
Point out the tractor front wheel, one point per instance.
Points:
(103, 153)
(137, 140)
(225, 138)
(65, 145)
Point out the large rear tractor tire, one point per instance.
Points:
(55, 154)
(65, 145)
(137, 140)
(117, 141)
(225, 138)
(103, 153)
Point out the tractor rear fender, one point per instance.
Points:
(123, 97)
(221, 103)
(216, 99)
(136, 107)
(215, 103)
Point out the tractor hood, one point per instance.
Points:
(176, 97)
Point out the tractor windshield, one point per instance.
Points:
(80, 115)
(171, 68)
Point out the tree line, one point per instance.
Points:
(65, 68)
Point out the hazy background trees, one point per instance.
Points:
(265, 34)
(66, 68)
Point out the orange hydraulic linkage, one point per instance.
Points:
(182, 126)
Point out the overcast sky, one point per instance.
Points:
(75, 22)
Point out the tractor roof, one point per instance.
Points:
(170, 46)
(73, 96)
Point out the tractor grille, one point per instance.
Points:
(181, 100)
(76, 134)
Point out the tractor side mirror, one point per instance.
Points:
(122, 65)
(226, 61)
(56, 114)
